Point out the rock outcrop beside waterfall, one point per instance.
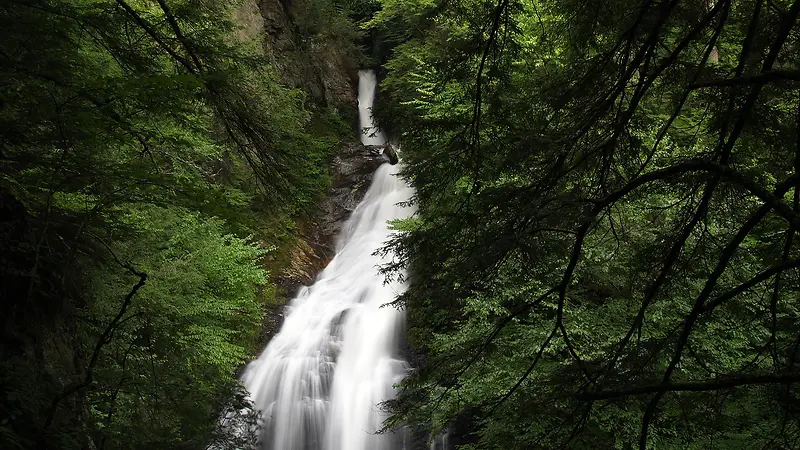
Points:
(352, 170)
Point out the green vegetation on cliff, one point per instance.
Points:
(149, 158)
(605, 254)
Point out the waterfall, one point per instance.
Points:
(319, 381)
(370, 134)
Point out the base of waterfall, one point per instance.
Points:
(321, 380)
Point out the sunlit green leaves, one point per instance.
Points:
(130, 143)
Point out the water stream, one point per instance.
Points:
(319, 381)
(371, 135)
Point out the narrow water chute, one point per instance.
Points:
(367, 84)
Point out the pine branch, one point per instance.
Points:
(156, 37)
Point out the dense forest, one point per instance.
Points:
(153, 167)
(604, 253)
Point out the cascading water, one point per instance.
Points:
(320, 380)
(371, 135)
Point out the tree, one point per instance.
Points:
(605, 254)
(142, 146)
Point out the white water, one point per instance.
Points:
(370, 134)
(319, 381)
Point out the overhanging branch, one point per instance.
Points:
(760, 78)
(695, 386)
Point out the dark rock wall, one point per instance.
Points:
(313, 49)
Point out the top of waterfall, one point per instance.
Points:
(367, 87)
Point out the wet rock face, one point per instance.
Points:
(391, 153)
(352, 171)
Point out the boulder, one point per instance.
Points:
(390, 152)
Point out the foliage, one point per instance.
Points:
(608, 193)
(144, 145)
(182, 338)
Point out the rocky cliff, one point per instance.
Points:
(312, 46)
